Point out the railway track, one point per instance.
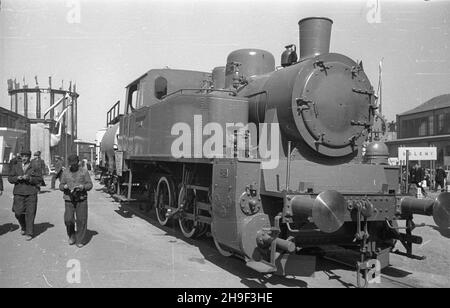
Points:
(383, 276)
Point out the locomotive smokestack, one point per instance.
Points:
(315, 33)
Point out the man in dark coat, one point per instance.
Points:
(58, 171)
(26, 176)
(75, 183)
(440, 179)
(417, 176)
(40, 162)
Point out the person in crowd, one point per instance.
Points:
(40, 162)
(26, 176)
(440, 179)
(58, 171)
(16, 158)
(428, 177)
(416, 177)
(84, 164)
(75, 183)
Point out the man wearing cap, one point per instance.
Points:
(26, 176)
(58, 171)
(75, 183)
(40, 162)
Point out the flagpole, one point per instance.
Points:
(380, 86)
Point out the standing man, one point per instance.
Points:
(58, 171)
(75, 183)
(440, 179)
(40, 162)
(416, 177)
(412, 177)
(420, 178)
(26, 176)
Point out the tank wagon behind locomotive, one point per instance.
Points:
(108, 148)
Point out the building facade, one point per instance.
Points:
(424, 126)
(14, 137)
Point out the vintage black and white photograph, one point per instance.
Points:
(214, 145)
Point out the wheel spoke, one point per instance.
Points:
(164, 200)
(186, 221)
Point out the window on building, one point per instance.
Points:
(160, 87)
(3, 120)
(404, 129)
(416, 127)
(440, 123)
(430, 125)
(447, 123)
(422, 124)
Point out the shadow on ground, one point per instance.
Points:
(41, 228)
(9, 227)
(124, 212)
(89, 235)
(394, 272)
(45, 192)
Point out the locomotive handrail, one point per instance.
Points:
(113, 114)
(200, 90)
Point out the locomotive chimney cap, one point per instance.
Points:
(307, 18)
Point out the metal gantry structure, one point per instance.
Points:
(53, 115)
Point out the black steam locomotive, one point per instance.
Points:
(269, 160)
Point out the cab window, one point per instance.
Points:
(132, 97)
(160, 87)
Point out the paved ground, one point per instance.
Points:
(126, 250)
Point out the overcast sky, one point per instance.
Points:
(104, 44)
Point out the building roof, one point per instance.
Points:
(438, 102)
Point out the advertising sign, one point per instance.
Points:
(417, 153)
(393, 161)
